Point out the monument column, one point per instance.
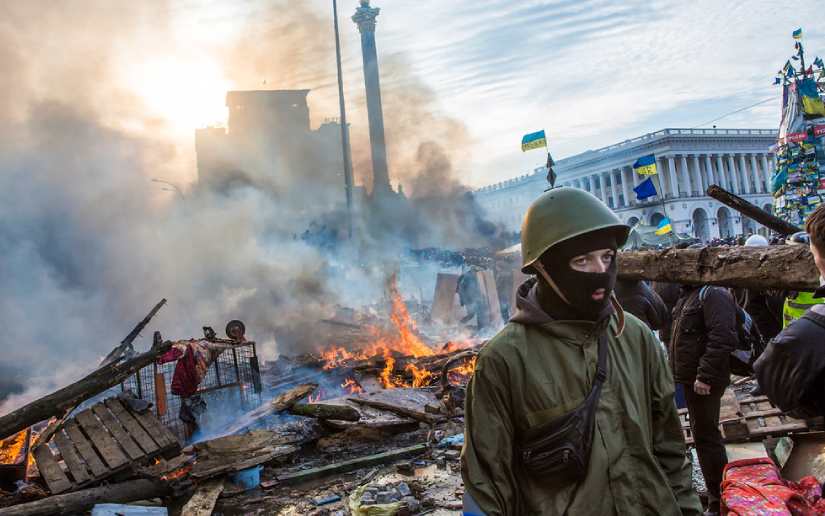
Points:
(720, 172)
(747, 175)
(674, 182)
(628, 200)
(709, 170)
(768, 175)
(365, 19)
(614, 189)
(735, 185)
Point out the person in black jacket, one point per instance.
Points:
(791, 371)
(669, 293)
(640, 300)
(703, 336)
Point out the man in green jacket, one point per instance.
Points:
(542, 365)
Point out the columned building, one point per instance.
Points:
(688, 161)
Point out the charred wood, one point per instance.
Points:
(324, 411)
(396, 409)
(283, 402)
(744, 207)
(78, 501)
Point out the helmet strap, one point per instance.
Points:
(544, 274)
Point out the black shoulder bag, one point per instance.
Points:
(561, 448)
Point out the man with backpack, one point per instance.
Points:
(703, 336)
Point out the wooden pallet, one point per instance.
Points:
(746, 418)
(100, 442)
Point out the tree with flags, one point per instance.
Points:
(798, 182)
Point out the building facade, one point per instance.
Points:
(687, 160)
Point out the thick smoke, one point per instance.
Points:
(90, 243)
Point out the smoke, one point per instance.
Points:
(90, 243)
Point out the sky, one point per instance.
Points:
(589, 72)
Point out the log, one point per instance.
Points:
(782, 267)
(79, 501)
(396, 409)
(324, 411)
(284, 401)
(58, 402)
(744, 207)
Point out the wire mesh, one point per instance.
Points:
(233, 380)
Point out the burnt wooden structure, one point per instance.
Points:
(99, 442)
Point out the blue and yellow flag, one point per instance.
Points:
(664, 227)
(811, 101)
(645, 189)
(797, 34)
(646, 165)
(533, 141)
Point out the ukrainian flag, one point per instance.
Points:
(646, 165)
(664, 227)
(533, 141)
(797, 34)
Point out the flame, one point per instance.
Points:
(351, 386)
(315, 398)
(177, 473)
(386, 375)
(462, 373)
(421, 376)
(11, 448)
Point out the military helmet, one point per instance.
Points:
(561, 214)
(756, 241)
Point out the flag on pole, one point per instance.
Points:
(645, 189)
(664, 227)
(797, 34)
(646, 165)
(533, 141)
(811, 101)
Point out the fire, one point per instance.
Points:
(11, 448)
(386, 375)
(463, 372)
(177, 473)
(421, 377)
(315, 398)
(351, 386)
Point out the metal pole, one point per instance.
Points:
(344, 128)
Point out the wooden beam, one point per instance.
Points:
(781, 267)
(56, 403)
(79, 501)
(350, 465)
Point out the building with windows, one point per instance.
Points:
(687, 160)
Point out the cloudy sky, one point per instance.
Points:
(590, 72)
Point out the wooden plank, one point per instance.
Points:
(116, 429)
(160, 394)
(162, 435)
(132, 426)
(104, 443)
(84, 447)
(76, 466)
(57, 481)
(444, 297)
(203, 501)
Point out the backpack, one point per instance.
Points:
(750, 343)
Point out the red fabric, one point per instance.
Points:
(194, 358)
(754, 486)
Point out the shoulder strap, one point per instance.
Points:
(601, 375)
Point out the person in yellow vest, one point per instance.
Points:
(797, 303)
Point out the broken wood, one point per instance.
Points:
(350, 465)
(284, 401)
(58, 402)
(324, 411)
(781, 267)
(203, 501)
(396, 409)
(78, 501)
(752, 211)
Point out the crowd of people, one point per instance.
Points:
(573, 405)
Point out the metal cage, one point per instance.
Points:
(233, 378)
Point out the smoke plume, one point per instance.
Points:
(90, 243)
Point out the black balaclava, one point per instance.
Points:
(577, 287)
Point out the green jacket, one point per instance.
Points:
(796, 304)
(537, 369)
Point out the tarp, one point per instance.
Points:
(645, 237)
